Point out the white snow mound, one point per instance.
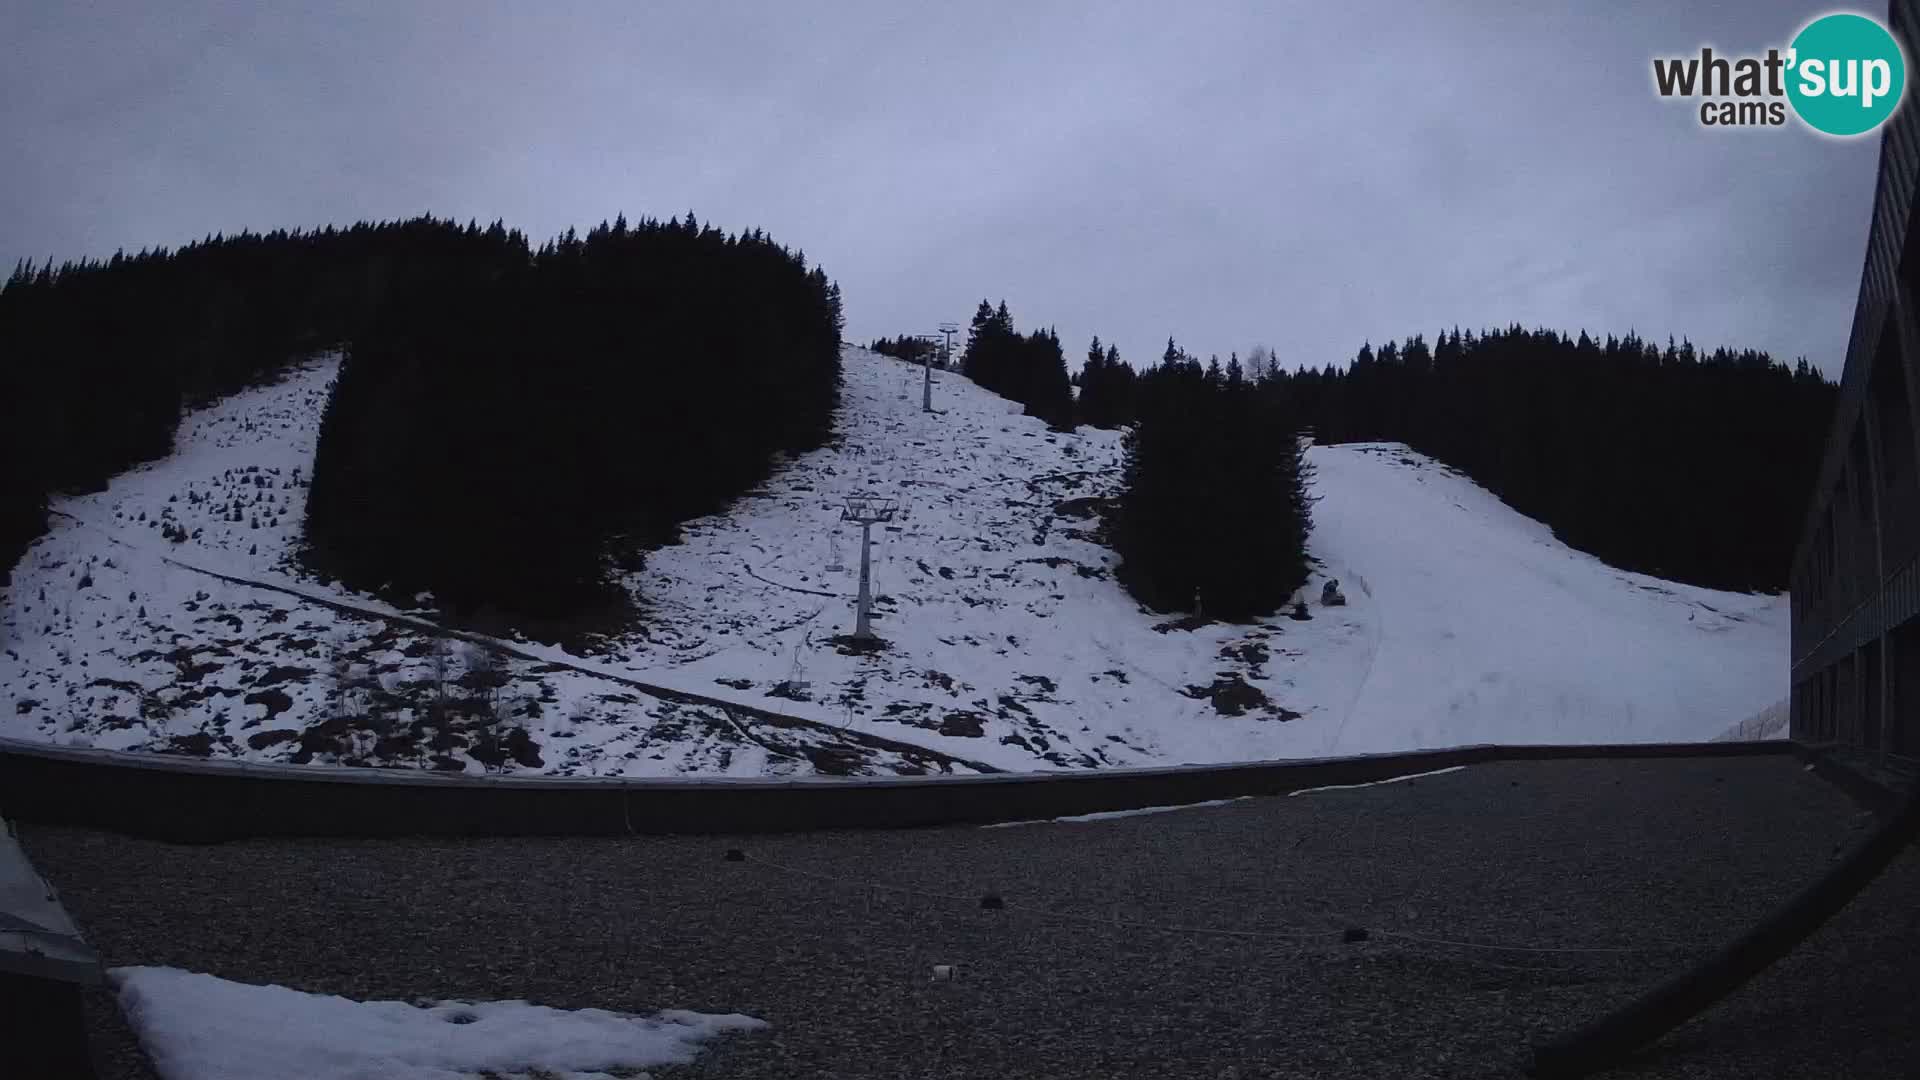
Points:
(198, 1027)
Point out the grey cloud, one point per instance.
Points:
(1307, 176)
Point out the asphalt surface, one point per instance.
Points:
(1097, 965)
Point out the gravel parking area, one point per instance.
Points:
(1097, 965)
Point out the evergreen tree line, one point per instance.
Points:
(1107, 387)
(1677, 462)
(914, 350)
(98, 357)
(507, 443)
(1214, 511)
(1684, 464)
(1027, 368)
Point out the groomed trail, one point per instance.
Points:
(1485, 623)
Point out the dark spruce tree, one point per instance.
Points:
(1106, 388)
(1030, 369)
(504, 444)
(1047, 393)
(988, 356)
(1213, 513)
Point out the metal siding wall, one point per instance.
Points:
(1857, 567)
(1903, 729)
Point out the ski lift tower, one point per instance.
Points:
(868, 510)
(947, 330)
(926, 373)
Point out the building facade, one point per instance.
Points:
(1856, 571)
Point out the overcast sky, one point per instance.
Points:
(1306, 175)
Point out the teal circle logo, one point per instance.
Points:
(1846, 74)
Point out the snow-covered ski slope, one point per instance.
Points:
(1008, 643)
(1490, 630)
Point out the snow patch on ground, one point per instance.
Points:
(198, 1027)
(1109, 815)
(1773, 722)
(1374, 783)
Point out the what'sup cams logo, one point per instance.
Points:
(1843, 75)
